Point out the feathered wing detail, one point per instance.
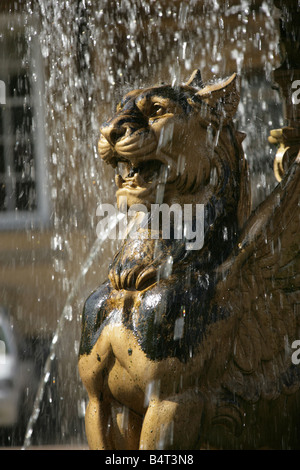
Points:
(260, 289)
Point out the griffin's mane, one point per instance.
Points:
(229, 173)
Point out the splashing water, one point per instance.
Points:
(92, 52)
(59, 330)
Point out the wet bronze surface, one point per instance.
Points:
(199, 355)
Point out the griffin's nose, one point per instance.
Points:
(126, 122)
(113, 133)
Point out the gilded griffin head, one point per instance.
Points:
(180, 141)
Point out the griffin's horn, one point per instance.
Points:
(226, 86)
(195, 80)
(224, 92)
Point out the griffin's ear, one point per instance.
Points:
(222, 96)
(195, 80)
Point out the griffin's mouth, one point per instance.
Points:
(139, 174)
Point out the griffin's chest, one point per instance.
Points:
(167, 322)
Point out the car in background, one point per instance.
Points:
(17, 375)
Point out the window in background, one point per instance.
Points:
(23, 195)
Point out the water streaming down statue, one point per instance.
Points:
(198, 355)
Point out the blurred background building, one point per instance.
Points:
(63, 67)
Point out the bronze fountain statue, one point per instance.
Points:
(199, 355)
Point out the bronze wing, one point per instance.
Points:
(259, 287)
